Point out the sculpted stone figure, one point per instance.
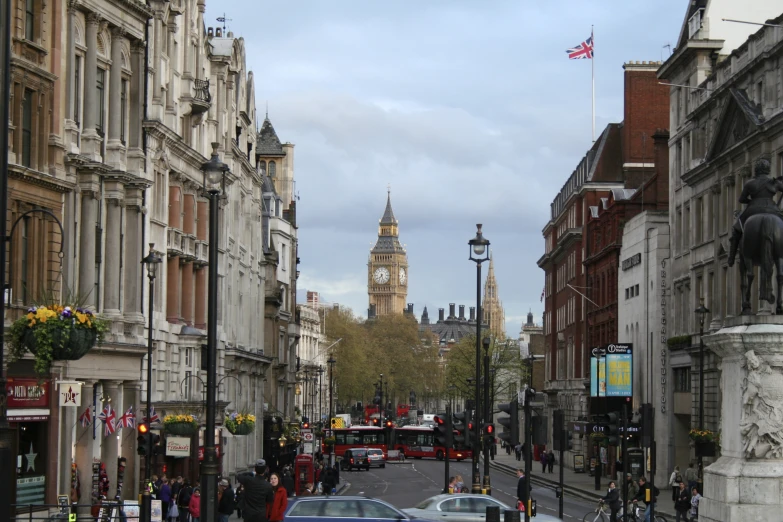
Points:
(757, 236)
(762, 409)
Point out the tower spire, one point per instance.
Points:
(494, 315)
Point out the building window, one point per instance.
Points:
(27, 127)
(272, 169)
(29, 20)
(123, 109)
(682, 380)
(77, 95)
(186, 386)
(99, 86)
(636, 290)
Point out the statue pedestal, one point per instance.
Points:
(746, 482)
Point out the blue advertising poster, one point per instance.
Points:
(619, 370)
(597, 373)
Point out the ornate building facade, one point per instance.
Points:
(114, 110)
(726, 112)
(492, 308)
(387, 268)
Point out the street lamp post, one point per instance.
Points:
(304, 393)
(381, 409)
(479, 252)
(214, 185)
(152, 260)
(331, 363)
(487, 416)
(701, 313)
(320, 396)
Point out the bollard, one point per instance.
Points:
(511, 515)
(493, 514)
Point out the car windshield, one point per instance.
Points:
(375, 452)
(425, 504)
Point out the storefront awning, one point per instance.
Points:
(28, 414)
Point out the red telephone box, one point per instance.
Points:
(303, 472)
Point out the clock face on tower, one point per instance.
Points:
(381, 275)
(403, 276)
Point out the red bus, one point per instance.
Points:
(359, 437)
(419, 442)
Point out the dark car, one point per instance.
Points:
(343, 509)
(355, 458)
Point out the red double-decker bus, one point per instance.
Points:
(419, 442)
(359, 437)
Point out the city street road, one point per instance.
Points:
(405, 485)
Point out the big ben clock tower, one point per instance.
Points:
(387, 269)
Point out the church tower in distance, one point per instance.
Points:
(387, 268)
(493, 312)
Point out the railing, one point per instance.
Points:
(108, 511)
(202, 90)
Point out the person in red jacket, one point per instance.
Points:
(275, 510)
(195, 505)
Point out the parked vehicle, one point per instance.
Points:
(343, 509)
(463, 507)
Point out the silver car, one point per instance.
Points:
(463, 507)
(376, 457)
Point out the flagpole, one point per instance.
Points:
(592, 68)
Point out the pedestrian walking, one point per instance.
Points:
(165, 497)
(183, 501)
(275, 510)
(683, 504)
(691, 476)
(550, 460)
(257, 495)
(226, 500)
(674, 482)
(543, 459)
(239, 498)
(695, 498)
(518, 451)
(194, 506)
(523, 490)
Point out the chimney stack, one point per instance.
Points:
(410, 308)
(472, 313)
(452, 311)
(461, 312)
(218, 32)
(440, 315)
(210, 32)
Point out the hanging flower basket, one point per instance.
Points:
(699, 436)
(705, 449)
(182, 424)
(240, 423)
(55, 333)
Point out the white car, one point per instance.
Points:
(463, 507)
(376, 457)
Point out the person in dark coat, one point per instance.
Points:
(523, 492)
(336, 470)
(288, 483)
(612, 499)
(550, 460)
(227, 501)
(683, 504)
(543, 461)
(327, 478)
(258, 493)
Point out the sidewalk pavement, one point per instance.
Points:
(580, 485)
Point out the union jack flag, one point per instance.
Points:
(127, 420)
(583, 51)
(153, 416)
(86, 418)
(109, 417)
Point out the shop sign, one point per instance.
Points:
(178, 446)
(201, 452)
(27, 393)
(619, 370)
(632, 261)
(70, 394)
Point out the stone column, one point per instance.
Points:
(91, 141)
(156, 56)
(230, 116)
(186, 50)
(135, 156)
(744, 483)
(220, 91)
(113, 234)
(173, 291)
(201, 299)
(187, 292)
(135, 276)
(71, 129)
(111, 443)
(90, 186)
(115, 149)
(172, 53)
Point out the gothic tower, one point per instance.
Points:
(387, 268)
(494, 315)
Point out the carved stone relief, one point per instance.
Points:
(761, 423)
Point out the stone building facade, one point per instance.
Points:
(726, 111)
(108, 136)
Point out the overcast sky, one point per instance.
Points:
(470, 110)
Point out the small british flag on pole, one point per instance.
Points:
(86, 418)
(127, 420)
(583, 51)
(153, 416)
(108, 416)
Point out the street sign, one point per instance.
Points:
(307, 437)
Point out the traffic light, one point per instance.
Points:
(143, 440)
(156, 449)
(489, 433)
(305, 423)
(511, 434)
(375, 422)
(647, 412)
(611, 420)
(558, 426)
(460, 426)
(388, 424)
(442, 430)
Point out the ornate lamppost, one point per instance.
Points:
(151, 261)
(331, 362)
(479, 253)
(214, 186)
(701, 314)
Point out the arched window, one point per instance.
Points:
(262, 166)
(272, 169)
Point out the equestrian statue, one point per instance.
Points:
(757, 236)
